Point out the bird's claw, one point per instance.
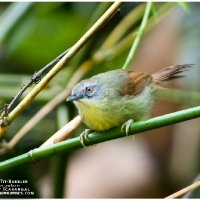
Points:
(126, 126)
(84, 135)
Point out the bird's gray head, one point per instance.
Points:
(86, 90)
(102, 86)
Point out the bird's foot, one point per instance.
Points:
(84, 135)
(126, 126)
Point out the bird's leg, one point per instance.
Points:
(84, 135)
(126, 126)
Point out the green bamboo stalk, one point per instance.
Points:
(139, 35)
(40, 154)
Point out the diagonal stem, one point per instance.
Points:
(184, 190)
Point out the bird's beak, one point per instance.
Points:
(74, 97)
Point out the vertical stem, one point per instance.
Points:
(139, 35)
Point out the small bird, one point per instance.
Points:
(119, 97)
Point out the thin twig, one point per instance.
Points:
(184, 190)
(139, 35)
(34, 79)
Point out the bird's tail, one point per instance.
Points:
(169, 73)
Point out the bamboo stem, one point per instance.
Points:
(184, 190)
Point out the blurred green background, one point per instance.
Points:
(154, 165)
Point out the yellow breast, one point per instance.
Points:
(94, 117)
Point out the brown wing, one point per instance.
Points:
(135, 83)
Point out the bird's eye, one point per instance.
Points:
(88, 89)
